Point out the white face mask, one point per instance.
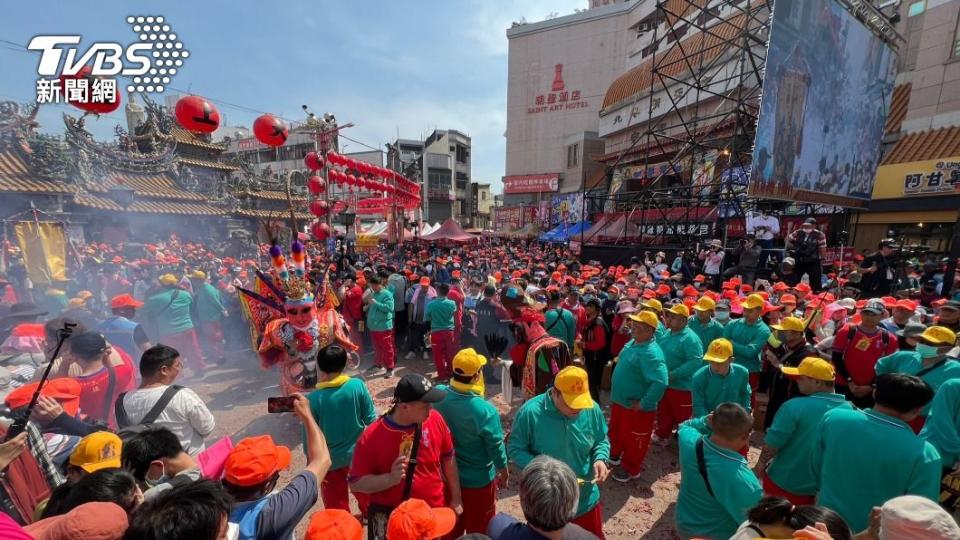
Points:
(722, 315)
(926, 351)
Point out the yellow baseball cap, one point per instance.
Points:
(813, 367)
(789, 324)
(198, 274)
(753, 301)
(468, 363)
(96, 451)
(646, 317)
(720, 350)
(938, 335)
(653, 304)
(705, 304)
(679, 309)
(168, 279)
(573, 386)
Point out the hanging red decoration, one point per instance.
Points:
(270, 130)
(320, 230)
(334, 158)
(339, 207)
(351, 180)
(313, 161)
(316, 185)
(87, 105)
(197, 115)
(334, 176)
(319, 208)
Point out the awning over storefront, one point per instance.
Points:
(889, 218)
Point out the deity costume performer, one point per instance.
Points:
(537, 356)
(288, 326)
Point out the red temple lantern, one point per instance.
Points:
(313, 161)
(320, 230)
(318, 208)
(270, 130)
(316, 185)
(197, 115)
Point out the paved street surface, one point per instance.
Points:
(237, 394)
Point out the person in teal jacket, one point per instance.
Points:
(566, 424)
(703, 324)
(559, 322)
(209, 313)
(443, 340)
(929, 362)
(720, 381)
(942, 429)
(637, 386)
(863, 458)
(683, 353)
(789, 440)
(380, 322)
(717, 487)
(343, 408)
(477, 440)
(169, 311)
(749, 335)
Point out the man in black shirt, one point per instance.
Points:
(879, 270)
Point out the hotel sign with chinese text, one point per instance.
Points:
(559, 98)
(531, 183)
(918, 178)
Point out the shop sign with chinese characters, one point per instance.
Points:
(559, 98)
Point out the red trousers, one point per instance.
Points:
(917, 423)
(212, 334)
(383, 348)
(479, 507)
(630, 433)
(674, 409)
(187, 345)
(335, 492)
(772, 489)
(441, 342)
(355, 336)
(592, 520)
(754, 384)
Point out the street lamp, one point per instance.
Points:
(122, 194)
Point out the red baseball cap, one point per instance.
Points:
(908, 305)
(415, 520)
(123, 301)
(802, 287)
(334, 524)
(254, 460)
(65, 390)
(779, 286)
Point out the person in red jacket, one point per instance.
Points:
(456, 294)
(856, 350)
(572, 304)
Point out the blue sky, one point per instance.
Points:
(413, 66)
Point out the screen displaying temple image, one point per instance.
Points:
(826, 93)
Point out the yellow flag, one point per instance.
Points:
(44, 250)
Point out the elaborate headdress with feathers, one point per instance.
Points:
(291, 277)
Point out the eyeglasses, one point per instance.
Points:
(295, 312)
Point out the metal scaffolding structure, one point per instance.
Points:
(711, 84)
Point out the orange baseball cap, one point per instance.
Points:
(334, 524)
(123, 301)
(788, 299)
(425, 281)
(65, 390)
(254, 460)
(415, 520)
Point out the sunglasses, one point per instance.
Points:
(295, 312)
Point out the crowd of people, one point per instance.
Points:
(851, 375)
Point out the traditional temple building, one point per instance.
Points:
(153, 180)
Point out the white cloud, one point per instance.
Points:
(489, 20)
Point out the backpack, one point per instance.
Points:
(127, 429)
